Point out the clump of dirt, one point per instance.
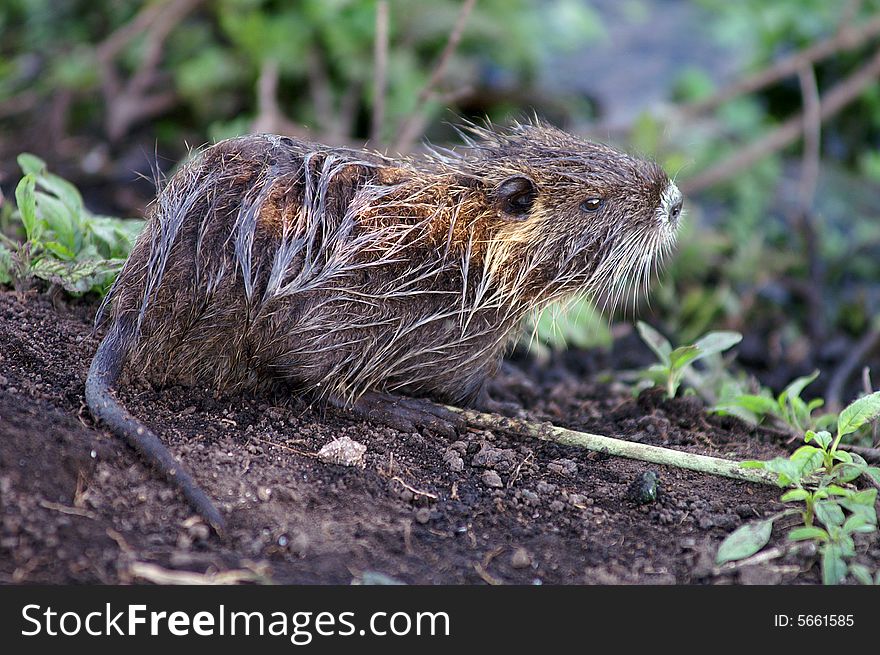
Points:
(79, 506)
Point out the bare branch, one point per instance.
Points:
(812, 128)
(270, 119)
(321, 91)
(856, 355)
(836, 99)
(130, 101)
(409, 130)
(848, 37)
(380, 71)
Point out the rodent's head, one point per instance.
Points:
(572, 214)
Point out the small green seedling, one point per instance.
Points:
(64, 244)
(673, 364)
(787, 409)
(832, 513)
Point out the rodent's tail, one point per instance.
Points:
(103, 374)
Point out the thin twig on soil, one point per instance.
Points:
(64, 509)
(618, 447)
(284, 447)
(159, 575)
(486, 576)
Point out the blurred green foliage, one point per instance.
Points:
(323, 48)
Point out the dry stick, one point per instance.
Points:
(848, 37)
(410, 128)
(269, 116)
(856, 355)
(812, 129)
(655, 454)
(380, 70)
(836, 99)
(868, 389)
(131, 101)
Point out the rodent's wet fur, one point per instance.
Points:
(367, 282)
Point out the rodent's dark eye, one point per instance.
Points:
(521, 203)
(592, 204)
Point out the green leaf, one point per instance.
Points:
(861, 573)
(76, 276)
(760, 405)
(30, 164)
(789, 472)
(805, 453)
(65, 191)
(847, 472)
(745, 541)
(6, 265)
(836, 490)
(794, 389)
(795, 495)
(59, 219)
(682, 356)
(823, 438)
(656, 341)
(865, 497)
(805, 533)
(829, 513)
(716, 342)
(25, 198)
(59, 250)
(858, 523)
(833, 565)
(861, 411)
(752, 464)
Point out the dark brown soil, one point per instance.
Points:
(78, 505)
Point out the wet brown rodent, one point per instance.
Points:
(366, 282)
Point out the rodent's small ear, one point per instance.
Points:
(515, 197)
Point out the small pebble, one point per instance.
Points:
(343, 451)
(492, 479)
(520, 559)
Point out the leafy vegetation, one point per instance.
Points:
(675, 363)
(833, 512)
(787, 409)
(63, 243)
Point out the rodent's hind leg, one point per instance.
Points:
(483, 402)
(407, 414)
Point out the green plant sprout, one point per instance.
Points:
(833, 511)
(787, 409)
(64, 244)
(674, 363)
